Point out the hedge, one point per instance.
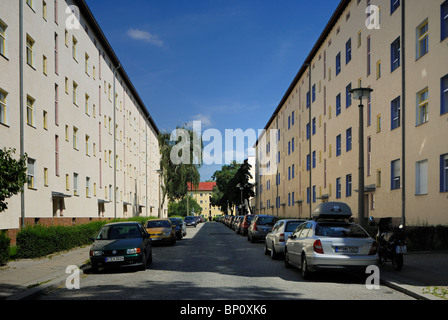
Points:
(38, 241)
(4, 248)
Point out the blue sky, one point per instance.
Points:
(227, 63)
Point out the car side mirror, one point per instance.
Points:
(292, 236)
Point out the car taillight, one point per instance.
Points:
(318, 247)
(281, 237)
(373, 249)
(255, 227)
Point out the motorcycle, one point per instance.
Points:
(391, 242)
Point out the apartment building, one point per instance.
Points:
(202, 196)
(67, 102)
(400, 50)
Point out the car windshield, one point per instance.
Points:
(340, 230)
(119, 232)
(291, 226)
(175, 222)
(266, 220)
(158, 224)
(189, 218)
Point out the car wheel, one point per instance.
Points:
(266, 250)
(287, 265)
(144, 262)
(305, 271)
(273, 252)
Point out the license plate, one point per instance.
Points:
(401, 249)
(114, 259)
(345, 249)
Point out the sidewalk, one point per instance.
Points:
(24, 279)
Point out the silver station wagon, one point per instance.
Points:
(330, 241)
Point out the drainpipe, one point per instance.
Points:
(115, 144)
(22, 125)
(403, 113)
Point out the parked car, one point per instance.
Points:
(236, 222)
(177, 228)
(121, 244)
(190, 221)
(276, 239)
(183, 226)
(330, 241)
(161, 231)
(246, 223)
(260, 226)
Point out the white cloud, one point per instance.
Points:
(205, 120)
(142, 35)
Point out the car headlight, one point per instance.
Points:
(133, 251)
(96, 253)
(168, 234)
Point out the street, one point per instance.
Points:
(214, 263)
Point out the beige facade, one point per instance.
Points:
(402, 54)
(202, 196)
(90, 154)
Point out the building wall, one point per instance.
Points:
(383, 142)
(202, 196)
(72, 132)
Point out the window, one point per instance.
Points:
(56, 104)
(30, 51)
(87, 145)
(30, 111)
(31, 173)
(3, 108)
(338, 105)
(378, 123)
(368, 56)
(87, 187)
(75, 138)
(395, 174)
(30, 3)
(74, 48)
(348, 51)
(338, 63)
(87, 64)
(87, 104)
(395, 113)
(378, 178)
(395, 54)
(378, 69)
(422, 107)
(338, 145)
(338, 188)
(56, 56)
(421, 177)
(44, 10)
(314, 159)
(349, 139)
(348, 96)
(394, 4)
(45, 120)
(56, 155)
(444, 173)
(75, 184)
(444, 20)
(75, 93)
(46, 177)
(2, 38)
(444, 95)
(348, 185)
(422, 39)
(314, 126)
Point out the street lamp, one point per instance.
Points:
(361, 93)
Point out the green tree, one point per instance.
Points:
(180, 162)
(180, 208)
(12, 175)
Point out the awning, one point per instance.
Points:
(55, 194)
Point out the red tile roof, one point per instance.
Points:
(203, 186)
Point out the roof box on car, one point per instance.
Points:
(332, 210)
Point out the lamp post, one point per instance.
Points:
(361, 93)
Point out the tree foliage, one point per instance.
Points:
(180, 208)
(13, 175)
(229, 179)
(177, 175)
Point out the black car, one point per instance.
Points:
(190, 221)
(176, 224)
(121, 244)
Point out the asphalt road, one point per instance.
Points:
(213, 263)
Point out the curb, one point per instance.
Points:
(32, 293)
